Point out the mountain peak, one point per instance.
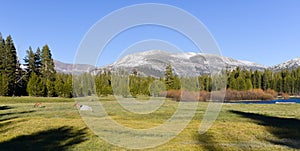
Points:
(153, 63)
(70, 68)
(290, 64)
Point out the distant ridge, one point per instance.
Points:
(69, 68)
(290, 64)
(153, 63)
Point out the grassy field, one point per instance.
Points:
(58, 126)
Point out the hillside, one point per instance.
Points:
(184, 64)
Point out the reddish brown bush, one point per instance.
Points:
(189, 96)
(175, 94)
(230, 95)
(285, 95)
(255, 94)
(185, 95)
(204, 96)
(271, 92)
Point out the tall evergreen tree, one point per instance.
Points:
(266, 79)
(256, 79)
(3, 84)
(38, 61)
(3, 53)
(68, 88)
(241, 85)
(35, 86)
(169, 77)
(248, 84)
(47, 70)
(30, 62)
(11, 65)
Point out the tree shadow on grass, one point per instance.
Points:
(287, 130)
(53, 139)
(14, 113)
(5, 107)
(207, 141)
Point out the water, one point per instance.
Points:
(296, 100)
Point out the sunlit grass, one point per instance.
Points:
(19, 120)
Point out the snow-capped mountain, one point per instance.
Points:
(154, 62)
(69, 68)
(291, 64)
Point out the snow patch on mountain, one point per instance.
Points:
(290, 64)
(153, 63)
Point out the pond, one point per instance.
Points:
(281, 101)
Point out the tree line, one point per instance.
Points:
(238, 80)
(284, 81)
(40, 78)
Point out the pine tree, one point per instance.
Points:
(248, 84)
(134, 85)
(103, 84)
(177, 83)
(256, 79)
(68, 88)
(232, 83)
(3, 85)
(266, 79)
(38, 61)
(241, 85)
(47, 71)
(156, 87)
(169, 77)
(35, 86)
(30, 61)
(59, 86)
(21, 81)
(3, 53)
(10, 65)
(50, 85)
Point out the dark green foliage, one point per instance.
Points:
(39, 76)
(285, 81)
(120, 84)
(47, 68)
(3, 53)
(3, 85)
(41, 79)
(156, 87)
(63, 85)
(35, 86)
(103, 84)
(169, 77)
(248, 84)
(10, 63)
(84, 84)
(256, 79)
(38, 61)
(134, 84)
(47, 71)
(30, 61)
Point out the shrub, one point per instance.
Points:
(285, 95)
(271, 92)
(185, 95)
(255, 94)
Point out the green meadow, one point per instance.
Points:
(57, 125)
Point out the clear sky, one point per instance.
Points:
(262, 31)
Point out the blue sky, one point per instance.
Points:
(262, 31)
